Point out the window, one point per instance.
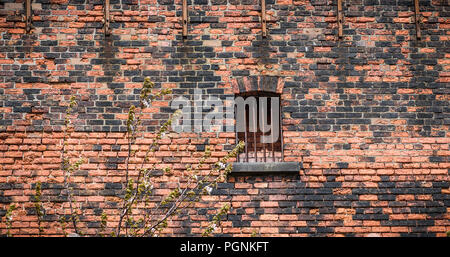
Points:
(258, 124)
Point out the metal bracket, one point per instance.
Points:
(417, 19)
(106, 18)
(185, 18)
(340, 18)
(263, 18)
(28, 17)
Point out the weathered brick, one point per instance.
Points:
(365, 114)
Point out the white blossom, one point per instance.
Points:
(148, 185)
(222, 165)
(208, 189)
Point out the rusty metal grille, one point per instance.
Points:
(255, 150)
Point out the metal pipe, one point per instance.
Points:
(254, 133)
(107, 18)
(417, 19)
(340, 18)
(263, 18)
(185, 18)
(28, 17)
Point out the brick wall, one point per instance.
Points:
(368, 114)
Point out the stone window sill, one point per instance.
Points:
(265, 167)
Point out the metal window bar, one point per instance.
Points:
(255, 117)
(273, 143)
(281, 132)
(264, 152)
(237, 136)
(245, 137)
